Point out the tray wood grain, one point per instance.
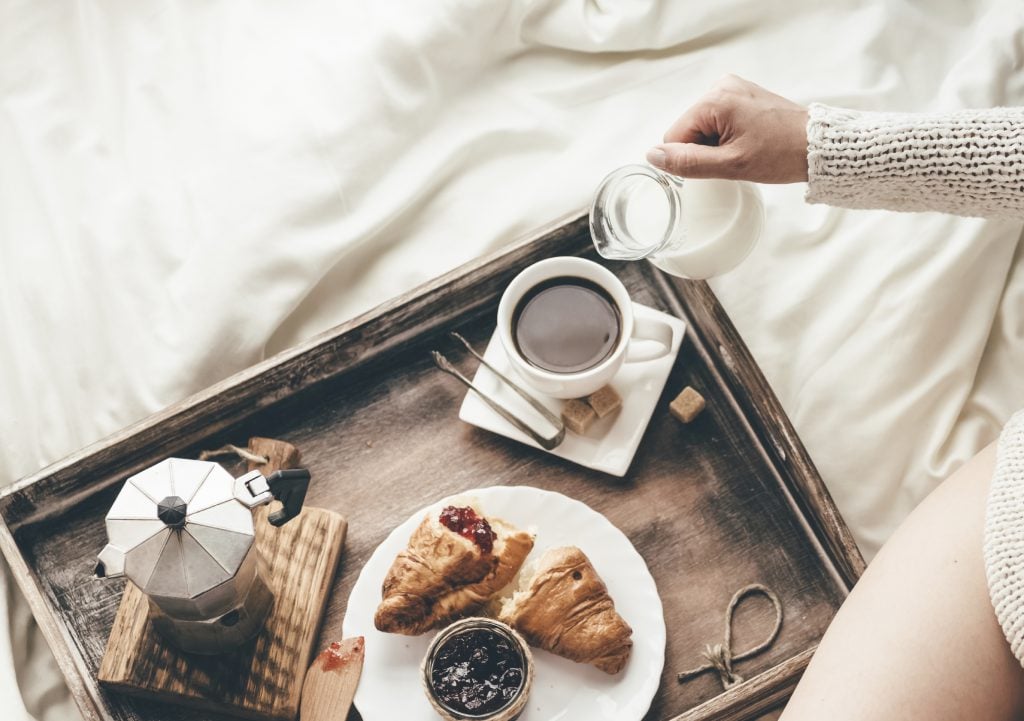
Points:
(731, 499)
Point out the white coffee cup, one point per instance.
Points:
(640, 339)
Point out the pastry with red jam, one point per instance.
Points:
(456, 560)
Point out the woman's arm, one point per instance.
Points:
(967, 162)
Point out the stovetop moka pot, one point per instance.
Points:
(182, 531)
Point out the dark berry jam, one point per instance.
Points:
(477, 672)
(466, 523)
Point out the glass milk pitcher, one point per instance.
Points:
(692, 229)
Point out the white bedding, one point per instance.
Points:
(188, 187)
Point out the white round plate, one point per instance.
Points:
(390, 688)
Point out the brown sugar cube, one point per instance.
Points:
(687, 405)
(578, 416)
(605, 402)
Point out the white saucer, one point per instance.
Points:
(611, 443)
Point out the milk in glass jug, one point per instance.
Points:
(689, 228)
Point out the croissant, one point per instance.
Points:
(442, 575)
(565, 608)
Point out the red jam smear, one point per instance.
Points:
(337, 654)
(468, 524)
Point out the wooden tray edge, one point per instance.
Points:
(788, 454)
(751, 698)
(71, 663)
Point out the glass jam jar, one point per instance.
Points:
(692, 229)
(478, 669)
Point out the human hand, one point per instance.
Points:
(738, 131)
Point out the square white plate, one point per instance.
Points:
(610, 444)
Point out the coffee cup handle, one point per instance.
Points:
(652, 339)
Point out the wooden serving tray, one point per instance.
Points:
(731, 499)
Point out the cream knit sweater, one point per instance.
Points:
(969, 162)
(1004, 534)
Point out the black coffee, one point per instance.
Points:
(566, 325)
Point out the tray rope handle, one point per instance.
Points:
(719, 656)
(229, 450)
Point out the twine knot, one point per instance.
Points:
(719, 657)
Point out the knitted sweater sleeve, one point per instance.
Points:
(969, 162)
(1004, 534)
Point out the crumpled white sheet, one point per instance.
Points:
(188, 187)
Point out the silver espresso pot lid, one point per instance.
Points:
(182, 527)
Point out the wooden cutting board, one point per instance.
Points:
(263, 679)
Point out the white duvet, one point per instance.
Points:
(188, 187)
